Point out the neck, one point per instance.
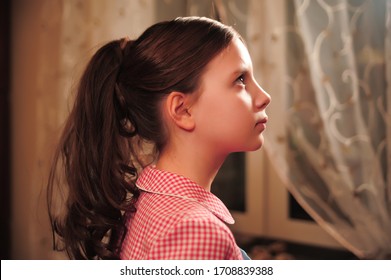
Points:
(198, 166)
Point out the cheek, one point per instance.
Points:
(231, 124)
(230, 114)
(224, 114)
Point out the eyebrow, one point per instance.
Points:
(242, 70)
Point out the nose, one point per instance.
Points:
(261, 98)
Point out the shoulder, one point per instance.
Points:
(197, 235)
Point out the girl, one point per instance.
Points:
(186, 88)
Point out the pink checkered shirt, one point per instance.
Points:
(177, 219)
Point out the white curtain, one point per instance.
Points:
(327, 66)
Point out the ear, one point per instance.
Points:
(178, 109)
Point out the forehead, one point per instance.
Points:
(233, 58)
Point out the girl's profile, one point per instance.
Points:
(153, 120)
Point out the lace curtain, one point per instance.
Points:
(327, 65)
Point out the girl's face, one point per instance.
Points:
(230, 111)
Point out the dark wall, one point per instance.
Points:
(5, 143)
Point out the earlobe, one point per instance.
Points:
(178, 108)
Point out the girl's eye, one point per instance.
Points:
(240, 80)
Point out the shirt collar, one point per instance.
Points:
(166, 183)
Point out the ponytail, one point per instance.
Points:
(95, 152)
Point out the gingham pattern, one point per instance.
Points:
(177, 219)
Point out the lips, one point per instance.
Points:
(262, 123)
(262, 120)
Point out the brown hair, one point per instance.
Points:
(115, 111)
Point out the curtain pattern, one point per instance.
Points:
(330, 122)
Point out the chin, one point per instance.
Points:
(258, 144)
(248, 146)
(257, 147)
(253, 147)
